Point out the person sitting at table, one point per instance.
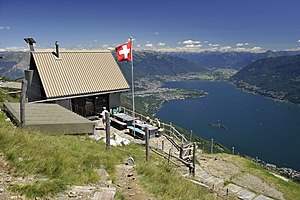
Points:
(156, 123)
(148, 120)
(137, 120)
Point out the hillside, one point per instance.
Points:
(145, 63)
(156, 63)
(12, 64)
(234, 60)
(277, 77)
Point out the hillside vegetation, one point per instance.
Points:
(277, 77)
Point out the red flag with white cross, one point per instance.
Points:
(124, 52)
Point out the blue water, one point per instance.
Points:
(256, 126)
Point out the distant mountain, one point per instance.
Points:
(277, 77)
(146, 63)
(157, 63)
(234, 60)
(12, 64)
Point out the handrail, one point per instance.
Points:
(171, 130)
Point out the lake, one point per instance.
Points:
(256, 126)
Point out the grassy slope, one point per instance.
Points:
(60, 160)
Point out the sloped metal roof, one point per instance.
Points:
(79, 73)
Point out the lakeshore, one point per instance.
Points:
(251, 121)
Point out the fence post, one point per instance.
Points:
(147, 143)
(107, 130)
(162, 145)
(194, 157)
(233, 150)
(22, 103)
(191, 135)
(181, 151)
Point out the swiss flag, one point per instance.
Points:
(124, 52)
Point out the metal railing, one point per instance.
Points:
(168, 128)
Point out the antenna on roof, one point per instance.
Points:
(30, 41)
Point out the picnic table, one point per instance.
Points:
(121, 120)
(140, 129)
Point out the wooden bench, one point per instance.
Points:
(138, 132)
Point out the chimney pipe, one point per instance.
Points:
(57, 49)
(30, 41)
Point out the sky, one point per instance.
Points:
(165, 25)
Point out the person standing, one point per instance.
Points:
(103, 115)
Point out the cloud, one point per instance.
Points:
(226, 48)
(161, 44)
(242, 44)
(253, 49)
(213, 45)
(298, 40)
(293, 49)
(4, 27)
(149, 45)
(156, 33)
(24, 48)
(133, 39)
(188, 42)
(193, 46)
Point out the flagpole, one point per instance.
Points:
(132, 88)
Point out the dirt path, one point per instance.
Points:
(127, 182)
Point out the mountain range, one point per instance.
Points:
(277, 77)
(234, 60)
(157, 63)
(274, 74)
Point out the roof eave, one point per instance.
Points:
(82, 95)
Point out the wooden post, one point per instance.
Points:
(22, 103)
(147, 143)
(191, 135)
(162, 145)
(107, 130)
(194, 158)
(233, 150)
(169, 155)
(181, 151)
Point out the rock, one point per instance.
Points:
(1, 190)
(130, 161)
(72, 194)
(105, 194)
(130, 175)
(129, 187)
